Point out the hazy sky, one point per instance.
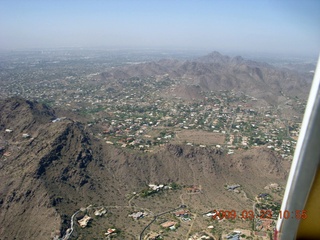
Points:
(274, 26)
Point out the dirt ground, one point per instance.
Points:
(199, 137)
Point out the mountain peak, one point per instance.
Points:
(214, 57)
(22, 115)
(215, 54)
(238, 59)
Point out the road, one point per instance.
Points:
(70, 230)
(190, 228)
(155, 218)
(181, 198)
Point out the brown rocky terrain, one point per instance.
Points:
(218, 72)
(60, 167)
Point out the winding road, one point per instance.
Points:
(70, 230)
(158, 215)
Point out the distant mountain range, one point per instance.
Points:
(215, 72)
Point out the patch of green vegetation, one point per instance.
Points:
(47, 102)
(147, 192)
(232, 220)
(175, 186)
(85, 111)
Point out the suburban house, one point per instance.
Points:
(137, 215)
(84, 221)
(168, 224)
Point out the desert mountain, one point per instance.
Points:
(215, 72)
(50, 167)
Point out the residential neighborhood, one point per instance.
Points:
(136, 113)
(158, 156)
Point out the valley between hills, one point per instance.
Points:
(149, 150)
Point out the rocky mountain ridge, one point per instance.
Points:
(60, 167)
(215, 72)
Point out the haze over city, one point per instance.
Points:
(281, 27)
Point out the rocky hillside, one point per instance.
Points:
(51, 166)
(43, 170)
